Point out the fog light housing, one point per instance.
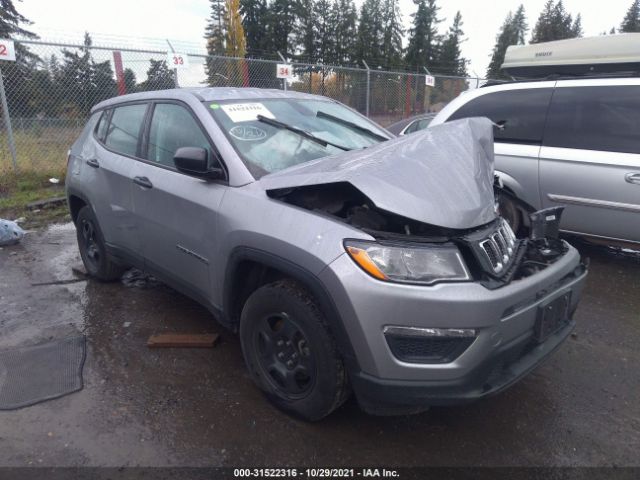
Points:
(428, 345)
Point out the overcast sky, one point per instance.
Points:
(184, 20)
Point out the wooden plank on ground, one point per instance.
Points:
(183, 340)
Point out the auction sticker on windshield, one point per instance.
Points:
(246, 112)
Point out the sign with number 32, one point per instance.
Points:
(7, 50)
(177, 60)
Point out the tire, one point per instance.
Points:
(510, 212)
(290, 352)
(92, 248)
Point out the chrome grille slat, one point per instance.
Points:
(498, 247)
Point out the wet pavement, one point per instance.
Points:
(198, 407)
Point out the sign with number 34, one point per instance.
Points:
(7, 50)
(284, 71)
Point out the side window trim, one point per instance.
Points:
(110, 110)
(144, 150)
(106, 114)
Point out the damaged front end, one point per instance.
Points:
(492, 253)
(430, 190)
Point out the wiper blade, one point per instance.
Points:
(352, 125)
(299, 131)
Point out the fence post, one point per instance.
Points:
(7, 122)
(175, 70)
(284, 80)
(368, 88)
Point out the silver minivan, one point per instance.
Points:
(574, 143)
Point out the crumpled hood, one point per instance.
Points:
(440, 176)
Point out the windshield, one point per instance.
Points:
(273, 134)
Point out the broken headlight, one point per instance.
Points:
(408, 264)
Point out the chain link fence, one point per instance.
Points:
(51, 88)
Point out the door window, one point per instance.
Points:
(603, 118)
(173, 127)
(124, 129)
(519, 113)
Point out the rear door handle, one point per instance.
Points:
(143, 182)
(633, 178)
(92, 162)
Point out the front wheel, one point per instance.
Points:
(92, 248)
(508, 210)
(290, 351)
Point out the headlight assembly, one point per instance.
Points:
(408, 264)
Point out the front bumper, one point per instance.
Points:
(504, 320)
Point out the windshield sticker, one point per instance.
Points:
(246, 112)
(214, 106)
(247, 133)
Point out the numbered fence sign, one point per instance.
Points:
(284, 71)
(7, 50)
(177, 60)
(430, 81)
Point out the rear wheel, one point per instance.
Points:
(92, 248)
(290, 352)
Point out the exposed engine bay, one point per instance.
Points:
(492, 252)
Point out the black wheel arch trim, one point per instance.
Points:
(73, 192)
(306, 278)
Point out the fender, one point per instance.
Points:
(306, 278)
(512, 189)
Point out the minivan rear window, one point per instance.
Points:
(521, 113)
(124, 129)
(602, 118)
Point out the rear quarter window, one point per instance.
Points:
(605, 118)
(520, 113)
(124, 129)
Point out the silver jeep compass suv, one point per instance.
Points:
(346, 259)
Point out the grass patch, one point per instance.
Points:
(19, 190)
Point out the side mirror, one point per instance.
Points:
(195, 161)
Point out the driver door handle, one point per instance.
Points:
(143, 182)
(633, 178)
(92, 162)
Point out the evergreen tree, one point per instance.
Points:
(159, 76)
(555, 23)
(345, 17)
(392, 34)
(214, 34)
(370, 33)
(22, 70)
(85, 82)
(102, 82)
(305, 35)
(281, 24)
(130, 84)
(512, 32)
(450, 60)
(576, 27)
(254, 21)
(424, 40)
(631, 21)
(324, 29)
